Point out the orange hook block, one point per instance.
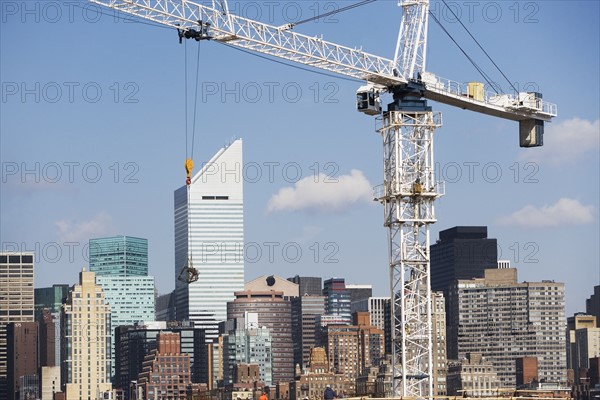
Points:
(189, 167)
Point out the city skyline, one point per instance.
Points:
(543, 209)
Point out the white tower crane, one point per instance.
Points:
(407, 127)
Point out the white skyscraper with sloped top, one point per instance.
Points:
(213, 233)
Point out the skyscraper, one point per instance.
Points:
(16, 301)
(121, 267)
(211, 231)
(504, 320)
(48, 306)
(119, 256)
(337, 299)
(274, 313)
(462, 252)
(359, 292)
(22, 356)
(86, 335)
(309, 285)
(306, 311)
(592, 305)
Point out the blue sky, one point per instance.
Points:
(94, 108)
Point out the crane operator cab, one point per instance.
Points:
(367, 99)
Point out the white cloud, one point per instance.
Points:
(565, 212)
(82, 231)
(565, 141)
(323, 193)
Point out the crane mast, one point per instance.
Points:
(407, 129)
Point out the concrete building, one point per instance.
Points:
(166, 373)
(440, 361)
(306, 311)
(21, 341)
(16, 302)
(379, 309)
(587, 345)
(351, 348)
(274, 313)
(576, 323)
(312, 382)
(86, 365)
(337, 299)
(592, 305)
(472, 376)
(504, 320)
(246, 342)
(308, 285)
(133, 343)
(276, 283)
(119, 256)
(216, 222)
(49, 382)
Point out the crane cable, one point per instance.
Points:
(188, 272)
(330, 13)
(480, 46)
(477, 67)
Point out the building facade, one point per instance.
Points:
(472, 376)
(592, 305)
(215, 220)
(306, 311)
(248, 343)
(16, 302)
(274, 313)
(21, 338)
(85, 348)
(166, 373)
(359, 292)
(308, 285)
(133, 343)
(119, 256)
(504, 320)
(462, 252)
(131, 300)
(337, 299)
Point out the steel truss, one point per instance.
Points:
(408, 196)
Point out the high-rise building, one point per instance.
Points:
(274, 313)
(505, 320)
(308, 285)
(576, 322)
(133, 343)
(119, 256)
(337, 299)
(209, 228)
(527, 371)
(121, 267)
(379, 309)
(305, 313)
(165, 307)
(22, 355)
(51, 298)
(587, 346)
(167, 372)
(246, 342)
(359, 292)
(462, 252)
(440, 361)
(592, 305)
(131, 300)
(85, 367)
(49, 382)
(48, 305)
(16, 301)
